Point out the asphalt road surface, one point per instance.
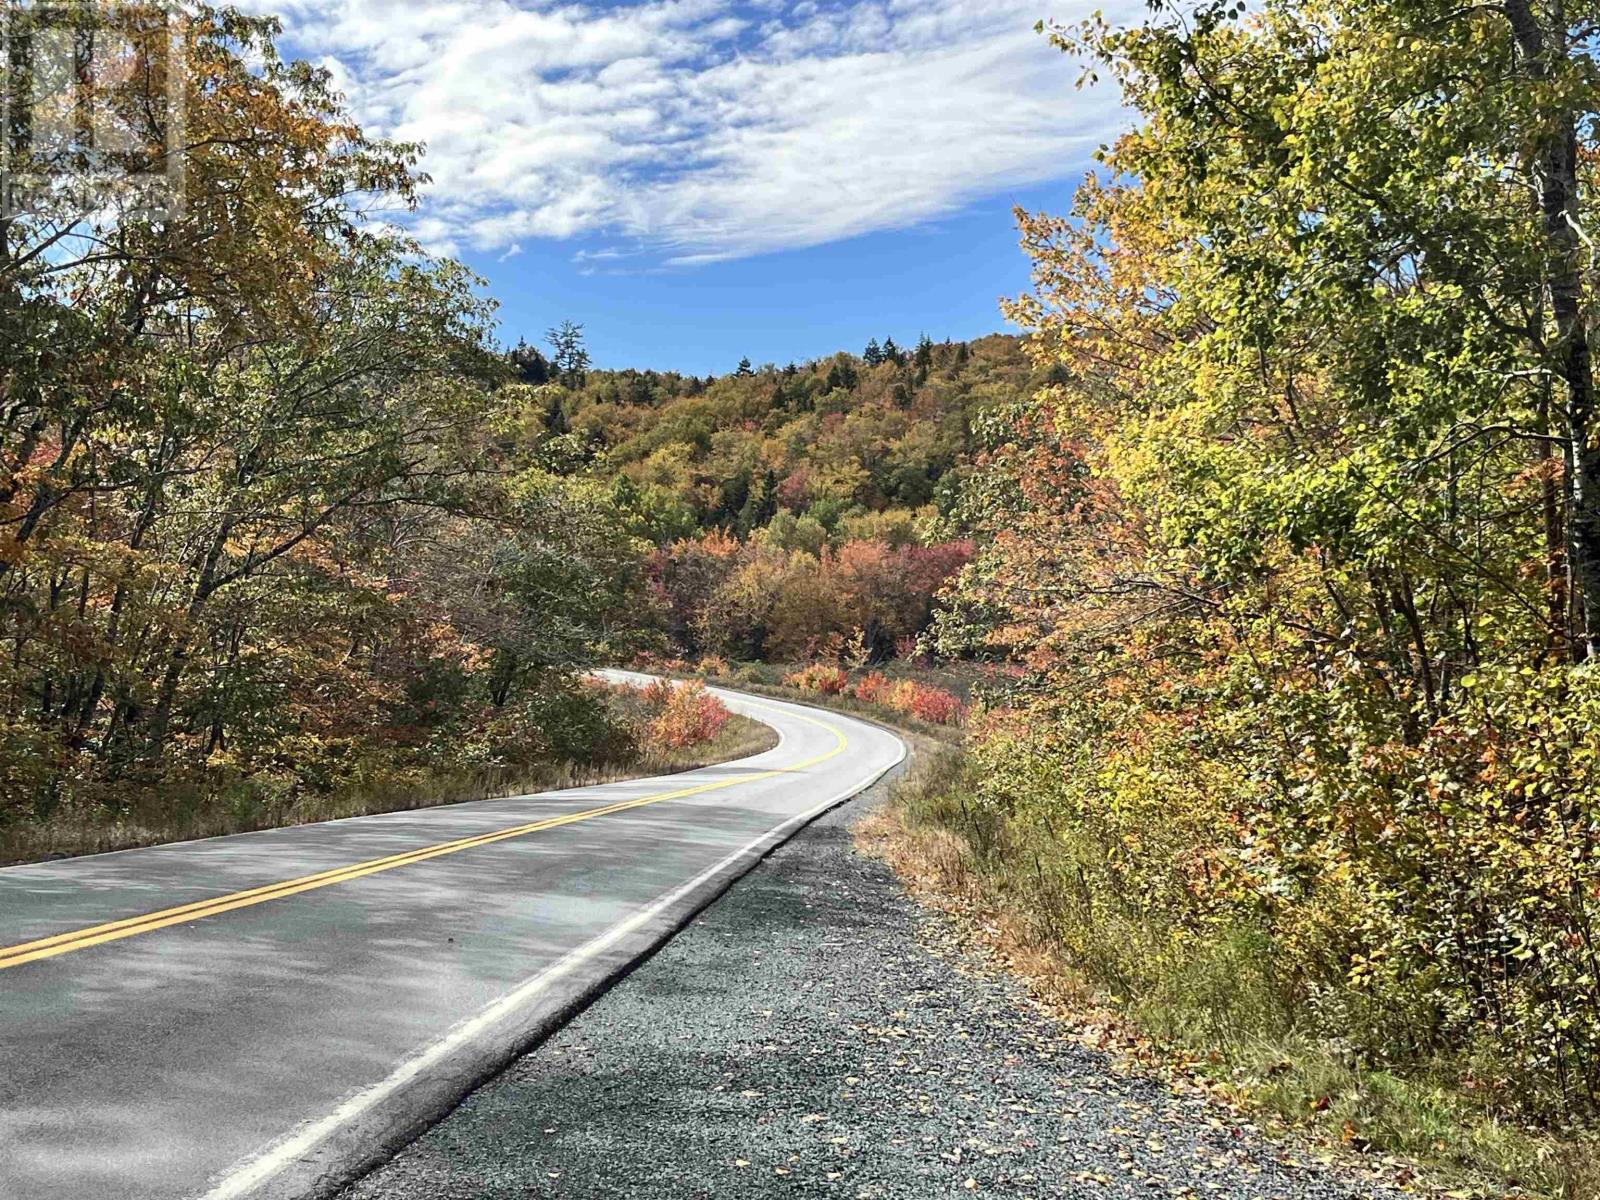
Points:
(817, 1034)
(266, 1015)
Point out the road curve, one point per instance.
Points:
(261, 1016)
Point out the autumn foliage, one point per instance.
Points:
(684, 715)
(821, 678)
(759, 600)
(933, 705)
(1294, 549)
(261, 538)
(908, 697)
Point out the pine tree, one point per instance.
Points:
(641, 391)
(873, 355)
(745, 370)
(893, 353)
(555, 418)
(531, 366)
(570, 359)
(842, 375)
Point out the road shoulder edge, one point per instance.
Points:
(315, 1161)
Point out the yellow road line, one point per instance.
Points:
(95, 935)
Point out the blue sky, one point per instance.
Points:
(944, 278)
(698, 180)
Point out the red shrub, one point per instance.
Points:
(935, 706)
(658, 695)
(689, 716)
(874, 688)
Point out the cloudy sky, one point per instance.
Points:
(695, 179)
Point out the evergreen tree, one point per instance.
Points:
(569, 357)
(641, 390)
(842, 375)
(893, 353)
(531, 366)
(924, 357)
(760, 505)
(555, 417)
(745, 370)
(873, 354)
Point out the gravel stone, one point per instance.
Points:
(816, 1033)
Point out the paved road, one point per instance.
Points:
(261, 1015)
(815, 1033)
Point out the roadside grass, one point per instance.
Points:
(760, 680)
(953, 677)
(184, 812)
(1210, 1022)
(1211, 1019)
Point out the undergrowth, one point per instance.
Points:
(1214, 1013)
(175, 813)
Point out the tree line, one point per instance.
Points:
(790, 511)
(1299, 545)
(279, 517)
(257, 519)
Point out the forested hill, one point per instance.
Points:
(794, 510)
(280, 521)
(869, 445)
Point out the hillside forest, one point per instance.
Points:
(1258, 579)
(281, 519)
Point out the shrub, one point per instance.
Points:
(874, 688)
(658, 694)
(688, 716)
(934, 705)
(1432, 902)
(826, 680)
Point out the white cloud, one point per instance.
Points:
(704, 129)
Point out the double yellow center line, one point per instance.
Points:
(96, 935)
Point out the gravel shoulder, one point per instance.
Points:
(815, 1032)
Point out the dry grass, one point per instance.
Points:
(942, 735)
(162, 817)
(1414, 1133)
(1417, 1134)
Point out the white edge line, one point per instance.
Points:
(261, 1169)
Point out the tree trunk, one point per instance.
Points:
(1556, 169)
